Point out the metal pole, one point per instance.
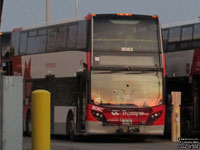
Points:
(76, 8)
(47, 11)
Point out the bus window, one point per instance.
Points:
(186, 37)
(174, 34)
(82, 35)
(197, 31)
(71, 43)
(33, 33)
(41, 43)
(116, 35)
(51, 42)
(15, 42)
(42, 32)
(61, 37)
(196, 36)
(186, 33)
(36, 44)
(31, 45)
(23, 42)
(165, 39)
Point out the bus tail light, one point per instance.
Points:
(99, 116)
(122, 14)
(153, 117)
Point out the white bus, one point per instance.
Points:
(104, 72)
(182, 50)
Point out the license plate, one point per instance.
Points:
(127, 122)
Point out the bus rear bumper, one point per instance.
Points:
(93, 127)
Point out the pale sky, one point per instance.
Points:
(20, 13)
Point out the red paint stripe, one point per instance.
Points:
(88, 61)
(16, 65)
(88, 17)
(195, 69)
(164, 66)
(17, 29)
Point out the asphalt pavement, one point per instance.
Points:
(107, 143)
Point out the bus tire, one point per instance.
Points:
(70, 127)
(28, 124)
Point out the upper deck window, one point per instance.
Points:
(165, 38)
(15, 41)
(42, 32)
(61, 38)
(197, 31)
(174, 34)
(125, 34)
(187, 33)
(82, 35)
(23, 42)
(51, 42)
(72, 36)
(33, 33)
(165, 34)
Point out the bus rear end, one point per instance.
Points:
(126, 80)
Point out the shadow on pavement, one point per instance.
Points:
(114, 139)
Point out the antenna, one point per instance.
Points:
(47, 11)
(76, 8)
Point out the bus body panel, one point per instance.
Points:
(38, 66)
(125, 120)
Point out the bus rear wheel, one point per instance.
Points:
(70, 127)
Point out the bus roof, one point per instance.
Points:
(52, 23)
(71, 20)
(181, 23)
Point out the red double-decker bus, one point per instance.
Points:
(105, 73)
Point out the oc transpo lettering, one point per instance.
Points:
(115, 113)
(97, 108)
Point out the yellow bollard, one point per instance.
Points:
(175, 116)
(40, 111)
(175, 119)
